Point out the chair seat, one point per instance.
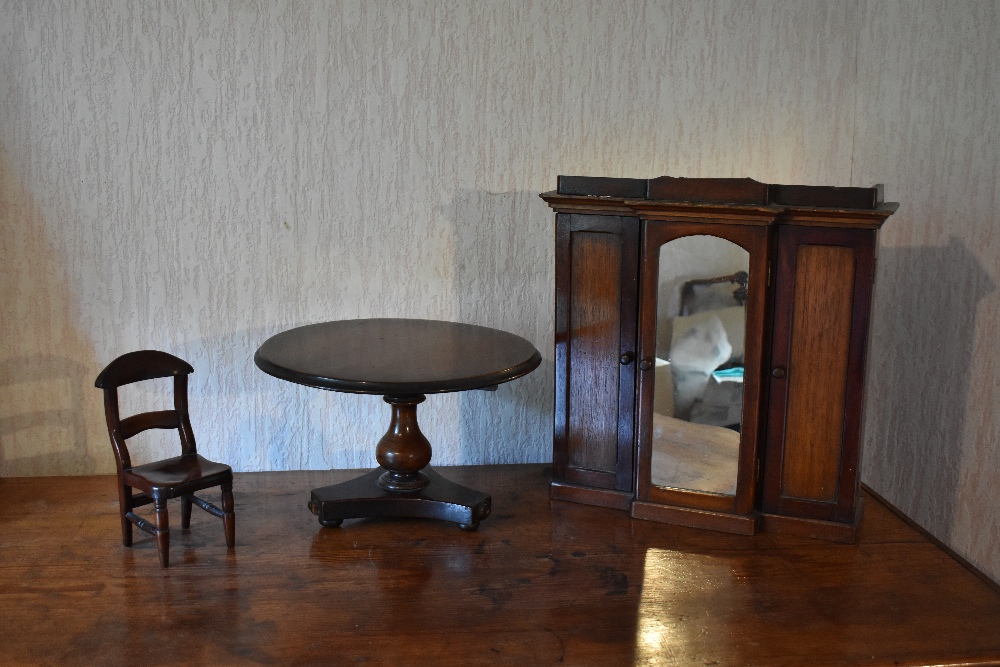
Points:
(177, 475)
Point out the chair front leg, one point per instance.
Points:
(228, 515)
(162, 531)
(124, 507)
(185, 511)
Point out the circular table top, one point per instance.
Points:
(396, 356)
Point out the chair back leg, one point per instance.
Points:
(228, 515)
(162, 532)
(186, 512)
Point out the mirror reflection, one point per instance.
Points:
(698, 387)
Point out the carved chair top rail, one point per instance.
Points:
(139, 366)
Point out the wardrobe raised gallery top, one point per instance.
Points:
(734, 200)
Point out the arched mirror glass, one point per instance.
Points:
(698, 386)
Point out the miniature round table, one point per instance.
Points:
(402, 360)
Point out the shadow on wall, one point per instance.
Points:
(920, 378)
(503, 278)
(43, 429)
(47, 369)
(264, 423)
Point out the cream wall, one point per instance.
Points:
(928, 124)
(196, 176)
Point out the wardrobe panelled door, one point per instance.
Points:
(596, 292)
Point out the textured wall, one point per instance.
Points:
(928, 124)
(196, 176)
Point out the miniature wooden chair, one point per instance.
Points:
(177, 477)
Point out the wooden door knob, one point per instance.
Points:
(778, 373)
(645, 364)
(626, 358)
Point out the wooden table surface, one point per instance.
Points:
(396, 356)
(542, 583)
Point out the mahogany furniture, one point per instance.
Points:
(803, 260)
(402, 360)
(177, 477)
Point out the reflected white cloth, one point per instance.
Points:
(733, 322)
(702, 347)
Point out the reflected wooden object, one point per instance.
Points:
(687, 455)
(807, 290)
(739, 279)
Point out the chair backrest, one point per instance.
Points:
(136, 367)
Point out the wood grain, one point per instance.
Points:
(543, 582)
(587, 246)
(817, 372)
(595, 324)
